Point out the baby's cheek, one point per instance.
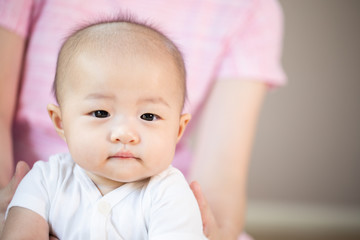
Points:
(163, 149)
(80, 144)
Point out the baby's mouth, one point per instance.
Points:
(124, 155)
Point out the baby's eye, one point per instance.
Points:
(100, 114)
(149, 117)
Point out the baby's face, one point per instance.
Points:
(122, 119)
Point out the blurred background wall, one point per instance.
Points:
(305, 172)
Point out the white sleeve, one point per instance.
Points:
(174, 211)
(33, 191)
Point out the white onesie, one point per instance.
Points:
(163, 207)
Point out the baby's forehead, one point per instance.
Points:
(117, 40)
(120, 41)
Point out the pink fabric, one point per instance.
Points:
(219, 39)
(244, 236)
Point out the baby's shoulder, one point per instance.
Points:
(169, 176)
(58, 165)
(61, 159)
(169, 182)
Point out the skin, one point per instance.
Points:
(121, 119)
(247, 96)
(238, 103)
(123, 93)
(11, 49)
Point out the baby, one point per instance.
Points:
(120, 87)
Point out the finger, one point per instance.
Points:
(21, 170)
(195, 187)
(207, 216)
(7, 193)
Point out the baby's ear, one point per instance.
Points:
(55, 116)
(184, 120)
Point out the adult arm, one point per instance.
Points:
(23, 223)
(11, 49)
(223, 145)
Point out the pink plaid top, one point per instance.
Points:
(219, 39)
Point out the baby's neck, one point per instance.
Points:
(105, 189)
(103, 184)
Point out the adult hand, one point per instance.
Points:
(210, 227)
(7, 193)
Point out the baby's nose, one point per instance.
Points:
(125, 135)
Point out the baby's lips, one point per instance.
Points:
(124, 154)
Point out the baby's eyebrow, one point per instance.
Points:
(92, 96)
(154, 100)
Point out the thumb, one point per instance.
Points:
(22, 168)
(207, 216)
(7, 193)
